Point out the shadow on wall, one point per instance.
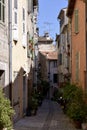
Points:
(19, 91)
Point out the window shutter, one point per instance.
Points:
(30, 6)
(15, 4)
(77, 66)
(76, 21)
(2, 11)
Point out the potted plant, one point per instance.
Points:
(6, 112)
(75, 106)
(33, 105)
(77, 112)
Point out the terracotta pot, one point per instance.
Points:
(77, 124)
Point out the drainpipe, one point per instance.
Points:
(86, 45)
(10, 46)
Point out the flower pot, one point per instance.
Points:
(33, 112)
(77, 124)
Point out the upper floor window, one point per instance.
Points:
(15, 17)
(77, 65)
(15, 4)
(60, 59)
(61, 22)
(2, 11)
(76, 21)
(23, 10)
(23, 16)
(15, 11)
(55, 64)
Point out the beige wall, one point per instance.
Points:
(19, 61)
(4, 49)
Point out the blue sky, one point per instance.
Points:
(47, 16)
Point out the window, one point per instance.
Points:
(2, 11)
(54, 78)
(15, 17)
(60, 59)
(54, 63)
(15, 4)
(77, 66)
(76, 21)
(23, 13)
(23, 17)
(23, 27)
(15, 11)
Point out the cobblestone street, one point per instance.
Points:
(49, 117)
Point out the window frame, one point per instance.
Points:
(23, 19)
(76, 13)
(15, 12)
(2, 11)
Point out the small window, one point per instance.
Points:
(77, 65)
(54, 78)
(23, 27)
(23, 14)
(15, 4)
(76, 21)
(15, 11)
(55, 64)
(15, 17)
(2, 11)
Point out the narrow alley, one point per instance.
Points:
(49, 117)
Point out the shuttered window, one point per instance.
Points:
(2, 11)
(23, 16)
(16, 4)
(76, 21)
(77, 65)
(15, 11)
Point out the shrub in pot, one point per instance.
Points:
(77, 107)
(6, 112)
(68, 92)
(33, 105)
(77, 111)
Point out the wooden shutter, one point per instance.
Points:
(76, 21)
(77, 66)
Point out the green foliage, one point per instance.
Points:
(77, 111)
(45, 86)
(6, 112)
(33, 103)
(75, 102)
(72, 92)
(56, 95)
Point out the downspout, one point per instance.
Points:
(86, 44)
(10, 47)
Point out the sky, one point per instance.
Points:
(47, 16)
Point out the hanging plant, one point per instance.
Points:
(32, 49)
(30, 46)
(31, 41)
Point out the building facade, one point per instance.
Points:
(24, 15)
(47, 58)
(4, 47)
(77, 12)
(64, 51)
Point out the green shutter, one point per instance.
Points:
(77, 66)
(76, 21)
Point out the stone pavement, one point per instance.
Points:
(49, 117)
